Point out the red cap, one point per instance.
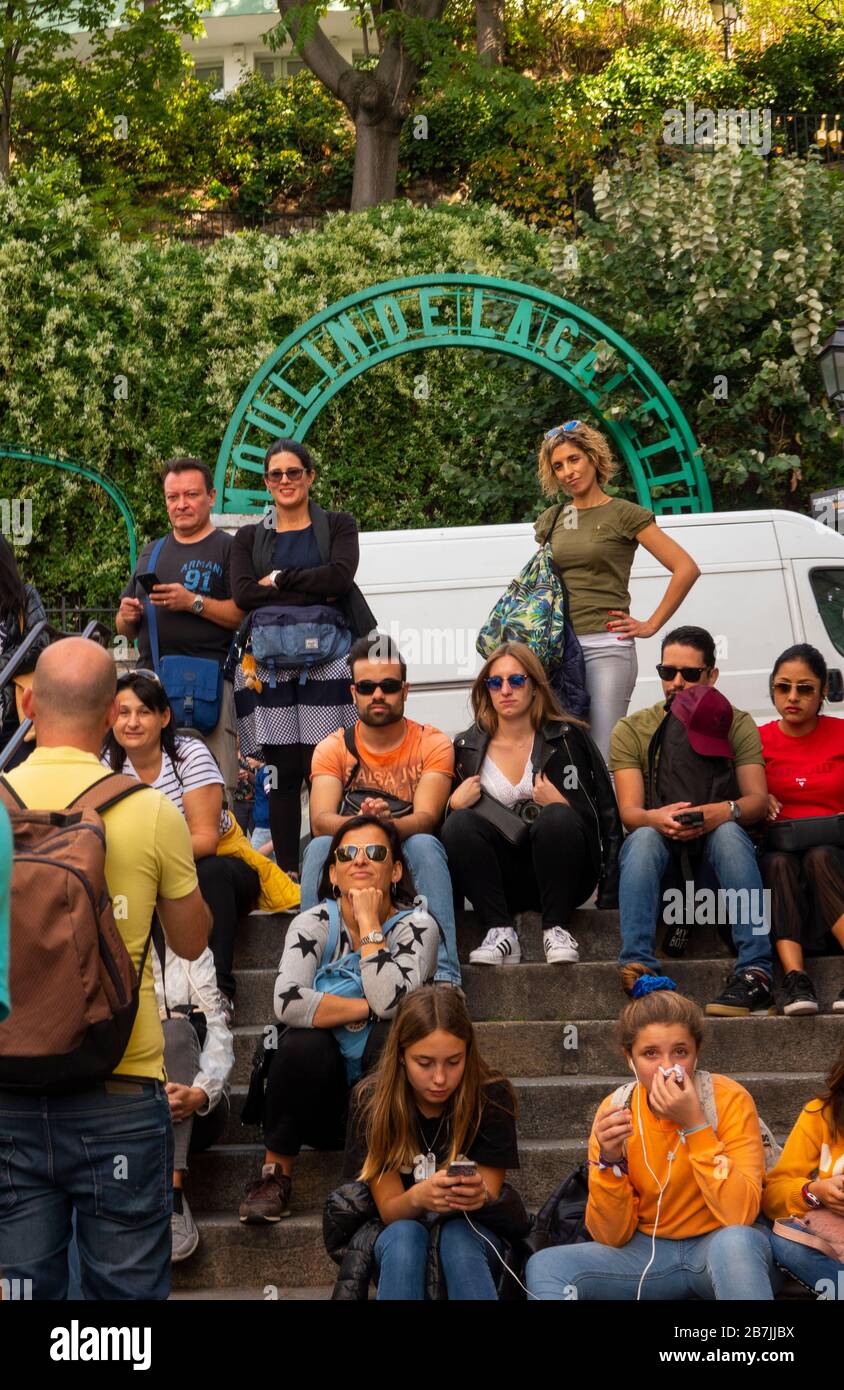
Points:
(708, 717)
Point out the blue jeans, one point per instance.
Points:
(645, 857)
(107, 1153)
(401, 1252)
(734, 1262)
(427, 861)
(809, 1266)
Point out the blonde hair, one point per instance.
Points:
(389, 1117)
(590, 441)
(545, 707)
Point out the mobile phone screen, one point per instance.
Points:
(148, 581)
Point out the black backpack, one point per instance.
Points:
(677, 773)
(562, 1220)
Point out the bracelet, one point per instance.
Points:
(617, 1165)
(683, 1132)
(813, 1202)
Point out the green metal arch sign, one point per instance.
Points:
(93, 476)
(325, 354)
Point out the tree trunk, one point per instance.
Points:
(6, 115)
(489, 31)
(376, 161)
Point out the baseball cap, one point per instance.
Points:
(708, 717)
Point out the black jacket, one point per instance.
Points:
(26, 621)
(351, 1226)
(336, 535)
(558, 746)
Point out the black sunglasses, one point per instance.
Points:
(390, 686)
(689, 673)
(275, 475)
(345, 854)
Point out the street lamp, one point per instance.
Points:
(831, 359)
(725, 13)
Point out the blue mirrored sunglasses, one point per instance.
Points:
(561, 429)
(513, 682)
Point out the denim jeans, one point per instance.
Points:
(107, 1153)
(427, 861)
(808, 1265)
(401, 1252)
(645, 857)
(734, 1262)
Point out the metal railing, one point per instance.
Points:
(72, 618)
(210, 224)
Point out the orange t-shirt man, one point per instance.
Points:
(395, 773)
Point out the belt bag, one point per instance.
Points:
(352, 802)
(512, 824)
(343, 977)
(286, 638)
(805, 832)
(819, 1229)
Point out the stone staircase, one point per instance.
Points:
(549, 1028)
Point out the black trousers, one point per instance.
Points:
(292, 764)
(230, 887)
(307, 1094)
(555, 870)
(807, 893)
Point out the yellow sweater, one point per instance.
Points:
(715, 1180)
(812, 1150)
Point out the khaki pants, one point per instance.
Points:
(223, 741)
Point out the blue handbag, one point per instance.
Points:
(287, 638)
(343, 977)
(194, 685)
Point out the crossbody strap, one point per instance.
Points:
(152, 616)
(351, 746)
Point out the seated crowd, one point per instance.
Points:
(372, 1049)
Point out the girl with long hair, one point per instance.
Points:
(809, 1175)
(525, 763)
(432, 1101)
(804, 767)
(676, 1167)
(593, 542)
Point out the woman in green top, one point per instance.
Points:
(593, 543)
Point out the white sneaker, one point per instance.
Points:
(500, 946)
(560, 946)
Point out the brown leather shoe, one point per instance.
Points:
(633, 972)
(268, 1198)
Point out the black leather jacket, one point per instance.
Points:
(559, 746)
(351, 1226)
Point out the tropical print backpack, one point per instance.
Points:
(531, 610)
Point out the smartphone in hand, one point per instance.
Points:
(689, 817)
(462, 1168)
(148, 581)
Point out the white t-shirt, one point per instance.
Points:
(197, 767)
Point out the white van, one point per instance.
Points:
(768, 579)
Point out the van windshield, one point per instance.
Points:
(828, 589)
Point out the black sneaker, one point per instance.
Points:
(838, 1006)
(799, 992)
(746, 992)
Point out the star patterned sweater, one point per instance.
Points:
(407, 960)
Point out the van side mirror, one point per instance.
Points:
(836, 687)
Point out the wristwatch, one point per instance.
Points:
(273, 576)
(810, 1199)
(735, 810)
(198, 605)
(374, 938)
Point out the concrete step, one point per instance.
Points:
(543, 1048)
(287, 1255)
(562, 992)
(260, 939)
(566, 1104)
(321, 1292)
(217, 1178)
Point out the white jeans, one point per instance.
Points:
(610, 677)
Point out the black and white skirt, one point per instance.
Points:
(288, 712)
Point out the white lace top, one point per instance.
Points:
(496, 784)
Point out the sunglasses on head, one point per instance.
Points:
(563, 429)
(690, 674)
(514, 682)
(804, 688)
(346, 854)
(128, 676)
(275, 475)
(391, 686)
